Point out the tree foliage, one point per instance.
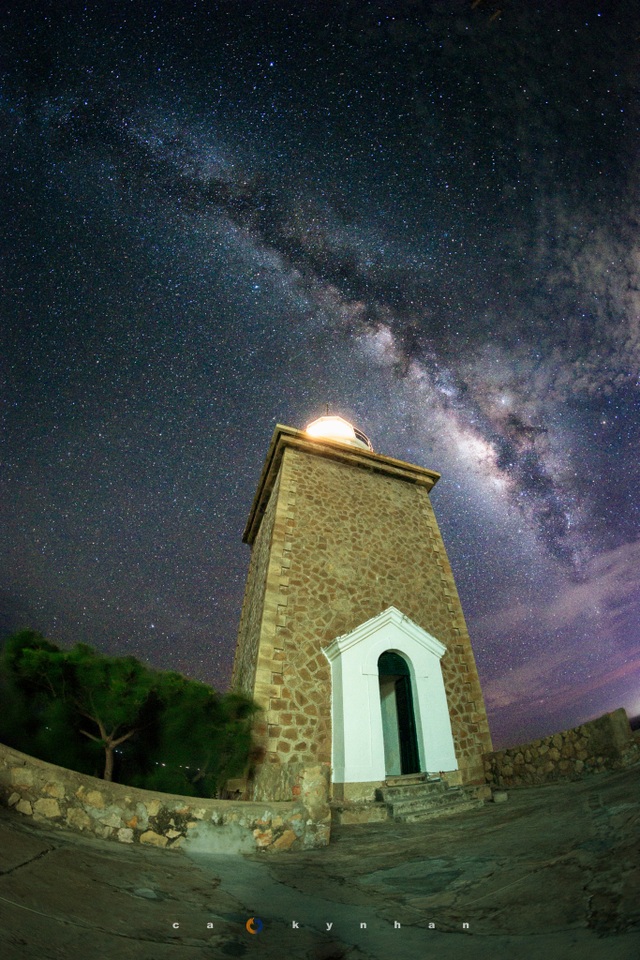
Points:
(155, 729)
(202, 740)
(33, 721)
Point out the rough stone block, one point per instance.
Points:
(21, 777)
(55, 789)
(153, 839)
(285, 841)
(263, 838)
(112, 818)
(93, 798)
(78, 819)
(46, 807)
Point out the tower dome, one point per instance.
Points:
(333, 427)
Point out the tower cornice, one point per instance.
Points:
(288, 437)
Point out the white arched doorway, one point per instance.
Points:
(362, 706)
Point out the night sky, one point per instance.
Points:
(217, 217)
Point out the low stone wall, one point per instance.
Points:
(603, 744)
(64, 798)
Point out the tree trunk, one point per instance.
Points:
(108, 765)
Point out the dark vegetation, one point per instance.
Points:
(115, 718)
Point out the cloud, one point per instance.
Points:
(610, 586)
(580, 641)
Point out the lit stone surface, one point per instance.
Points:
(55, 789)
(129, 815)
(602, 744)
(78, 819)
(344, 535)
(549, 875)
(155, 839)
(46, 807)
(22, 776)
(93, 798)
(285, 841)
(252, 610)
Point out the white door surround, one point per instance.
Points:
(358, 753)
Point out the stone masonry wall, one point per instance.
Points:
(64, 798)
(603, 744)
(244, 667)
(346, 544)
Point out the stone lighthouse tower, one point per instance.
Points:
(352, 637)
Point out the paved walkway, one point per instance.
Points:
(553, 874)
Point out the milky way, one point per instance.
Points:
(423, 214)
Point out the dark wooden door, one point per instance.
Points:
(409, 757)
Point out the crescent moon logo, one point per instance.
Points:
(254, 925)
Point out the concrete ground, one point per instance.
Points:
(552, 874)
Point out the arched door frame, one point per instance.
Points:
(357, 735)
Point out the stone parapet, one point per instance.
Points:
(606, 743)
(114, 811)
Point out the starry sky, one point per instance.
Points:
(219, 216)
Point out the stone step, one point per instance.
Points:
(391, 793)
(433, 813)
(344, 812)
(415, 802)
(400, 807)
(406, 778)
(410, 803)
